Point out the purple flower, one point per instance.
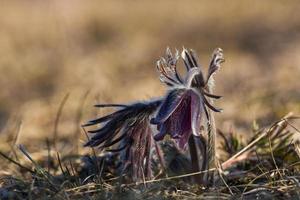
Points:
(127, 132)
(184, 108)
(181, 113)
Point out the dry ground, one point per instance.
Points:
(105, 51)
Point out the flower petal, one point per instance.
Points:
(215, 64)
(197, 109)
(179, 123)
(162, 133)
(169, 105)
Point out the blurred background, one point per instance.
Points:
(105, 51)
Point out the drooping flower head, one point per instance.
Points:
(129, 131)
(185, 106)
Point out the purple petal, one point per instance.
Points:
(161, 134)
(196, 112)
(182, 142)
(179, 123)
(169, 105)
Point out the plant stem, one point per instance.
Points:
(194, 159)
(211, 143)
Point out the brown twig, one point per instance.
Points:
(78, 119)
(57, 118)
(15, 162)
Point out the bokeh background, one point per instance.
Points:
(105, 51)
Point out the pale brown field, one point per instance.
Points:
(105, 51)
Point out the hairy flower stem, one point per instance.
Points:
(194, 159)
(199, 142)
(161, 160)
(211, 141)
